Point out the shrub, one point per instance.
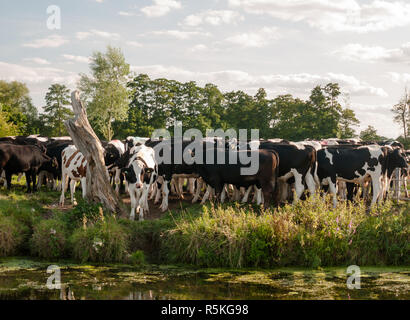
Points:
(137, 258)
(311, 234)
(105, 241)
(49, 239)
(12, 236)
(90, 211)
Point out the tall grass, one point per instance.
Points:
(310, 234)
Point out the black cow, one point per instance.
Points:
(28, 159)
(217, 174)
(24, 141)
(54, 150)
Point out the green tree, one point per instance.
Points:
(105, 90)
(6, 128)
(401, 113)
(18, 108)
(55, 111)
(370, 134)
(347, 123)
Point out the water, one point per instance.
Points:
(26, 279)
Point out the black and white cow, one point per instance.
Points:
(112, 153)
(357, 165)
(297, 161)
(141, 173)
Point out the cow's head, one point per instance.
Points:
(50, 165)
(138, 172)
(397, 159)
(111, 154)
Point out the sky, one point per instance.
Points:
(284, 46)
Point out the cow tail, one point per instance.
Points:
(314, 173)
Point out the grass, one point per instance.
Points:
(310, 234)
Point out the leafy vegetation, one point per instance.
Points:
(104, 241)
(310, 234)
(49, 240)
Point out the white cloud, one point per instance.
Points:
(80, 59)
(378, 116)
(160, 8)
(134, 44)
(212, 17)
(199, 47)
(37, 61)
(52, 41)
(298, 84)
(182, 35)
(331, 16)
(97, 33)
(126, 14)
(358, 52)
(33, 75)
(403, 78)
(260, 38)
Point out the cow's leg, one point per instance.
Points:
(165, 194)
(333, 191)
(133, 197)
(406, 191)
(311, 184)
(84, 186)
(40, 179)
(28, 181)
(20, 176)
(33, 178)
(283, 190)
(267, 192)
(258, 192)
(341, 189)
(143, 203)
(191, 185)
(377, 186)
(154, 189)
(246, 195)
(8, 180)
(117, 180)
(159, 191)
(199, 183)
(64, 179)
(73, 184)
(237, 194)
(207, 194)
(299, 188)
(223, 193)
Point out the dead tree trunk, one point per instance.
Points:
(98, 183)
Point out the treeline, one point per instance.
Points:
(120, 104)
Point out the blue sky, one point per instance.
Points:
(285, 46)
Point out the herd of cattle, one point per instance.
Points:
(343, 168)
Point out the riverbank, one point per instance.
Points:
(311, 234)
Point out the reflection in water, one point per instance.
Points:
(158, 283)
